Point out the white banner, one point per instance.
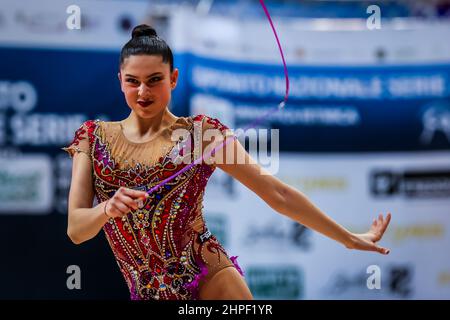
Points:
(273, 248)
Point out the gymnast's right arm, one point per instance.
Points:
(85, 221)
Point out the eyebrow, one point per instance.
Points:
(153, 74)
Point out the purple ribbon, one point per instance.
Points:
(252, 125)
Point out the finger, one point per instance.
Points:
(140, 194)
(380, 219)
(136, 194)
(386, 223)
(120, 208)
(382, 250)
(116, 210)
(388, 218)
(129, 202)
(139, 203)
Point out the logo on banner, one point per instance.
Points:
(421, 232)
(320, 184)
(396, 282)
(400, 280)
(274, 234)
(436, 121)
(20, 96)
(45, 21)
(431, 183)
(26, 184)
(275, 282)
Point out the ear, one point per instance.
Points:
(174, 78)
(120, 80)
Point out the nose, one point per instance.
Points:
(143, 90)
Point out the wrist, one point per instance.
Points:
(104, 209)
(350, 240)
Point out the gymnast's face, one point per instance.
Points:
(147, 83)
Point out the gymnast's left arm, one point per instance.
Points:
(291, 202)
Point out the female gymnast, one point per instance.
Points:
(159, 239)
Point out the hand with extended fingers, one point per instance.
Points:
(369, 241)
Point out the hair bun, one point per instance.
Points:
(143, 30)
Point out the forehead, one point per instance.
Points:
(144, 64)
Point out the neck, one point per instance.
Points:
(148, 126)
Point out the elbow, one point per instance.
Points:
(72, 232)
(73, 237)
(280, 198)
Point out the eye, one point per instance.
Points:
(131, 80)
(155, 79)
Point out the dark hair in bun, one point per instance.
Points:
(144, 40)
(143, 30)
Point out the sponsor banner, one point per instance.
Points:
(396, 281)
(26, 184)
(348, 188)
(331, 109)
(84, 24)
(275, 281)
(246, 80)
(311, 41)
(415, 181)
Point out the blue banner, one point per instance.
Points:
(333, 109)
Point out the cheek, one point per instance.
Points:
(130, 92)
(166, 90)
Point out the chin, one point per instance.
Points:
(148, 113)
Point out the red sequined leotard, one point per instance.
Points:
(163, 250)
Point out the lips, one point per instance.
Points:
(144, 103)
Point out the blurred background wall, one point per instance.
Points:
(366, 130)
